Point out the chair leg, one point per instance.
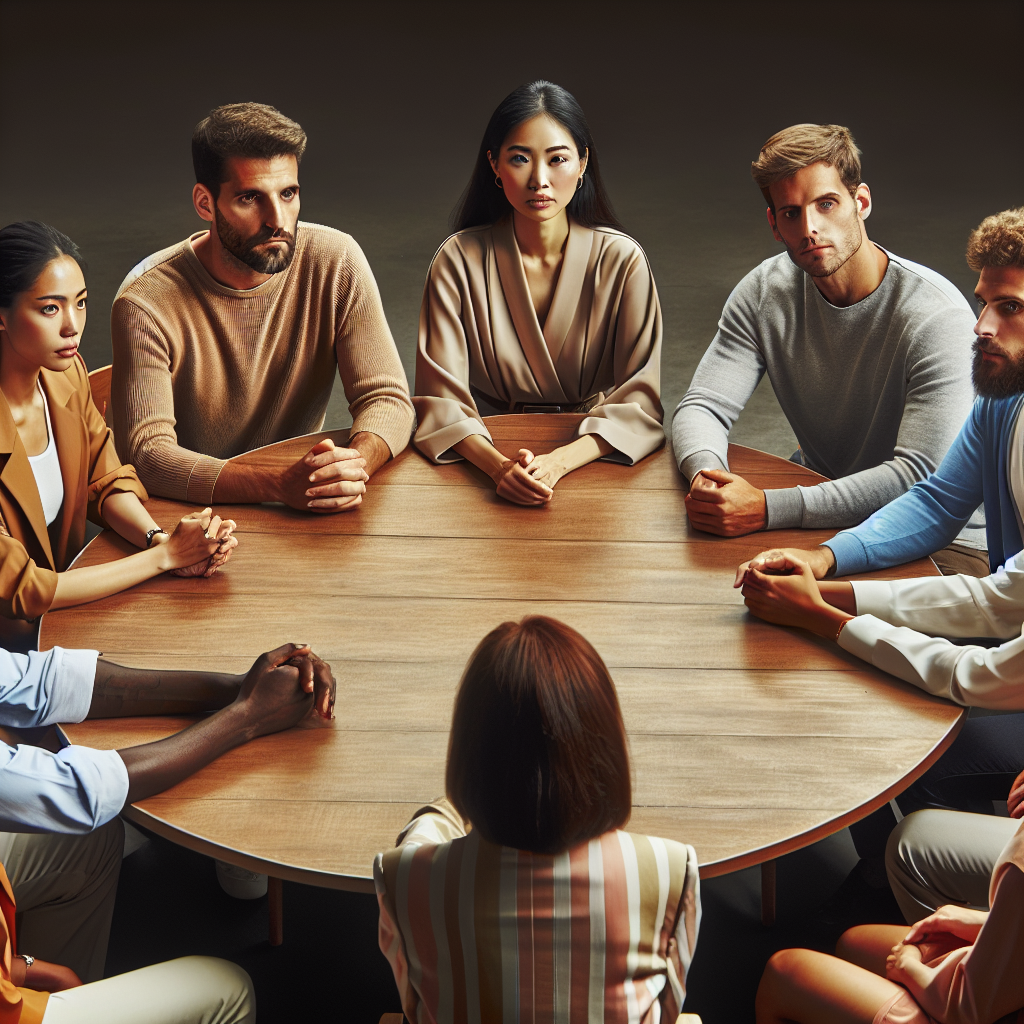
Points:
(275, 898)
(768, 893)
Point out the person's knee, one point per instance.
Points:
(916, 832)
(851, 943)
(780, 974)
(223, 984)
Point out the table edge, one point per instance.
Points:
(708, 869)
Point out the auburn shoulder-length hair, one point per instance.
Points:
(484, 203)
(537, 756)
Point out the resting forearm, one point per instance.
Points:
(92, 582)
(248, 483)
(372, 448)
(154, 767)
(583, 450)
(126, 515)
(478, 450)
(839, 595)
(120, 692)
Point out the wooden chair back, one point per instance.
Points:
(99, 384)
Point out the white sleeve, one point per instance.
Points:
(972, 676)
(46, 687)
(961, 606)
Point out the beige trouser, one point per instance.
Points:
(937, 857)
(191, 990)
(64, 887)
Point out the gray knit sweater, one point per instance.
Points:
(875, 392)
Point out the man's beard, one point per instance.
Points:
(272, 261)
(994, 383)
(843, 248)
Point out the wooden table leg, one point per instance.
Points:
(275, 896)
(768, 893)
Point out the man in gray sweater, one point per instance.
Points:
(867, 352)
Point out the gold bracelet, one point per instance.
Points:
(840, 630)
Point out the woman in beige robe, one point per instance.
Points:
(540, 303)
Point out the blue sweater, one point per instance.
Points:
(931, 514)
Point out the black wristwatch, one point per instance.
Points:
(150, 534)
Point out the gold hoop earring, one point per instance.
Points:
(579, 183)
(497, 181)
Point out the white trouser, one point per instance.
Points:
(937, 857)
(191, 990)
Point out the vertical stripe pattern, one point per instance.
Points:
(480, 933)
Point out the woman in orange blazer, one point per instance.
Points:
(57, 458)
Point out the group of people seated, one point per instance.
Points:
(519, 894)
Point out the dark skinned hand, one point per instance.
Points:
(281, 688)
(43, 976)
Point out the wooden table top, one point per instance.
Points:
(748, 740)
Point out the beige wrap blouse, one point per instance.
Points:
(600, 342)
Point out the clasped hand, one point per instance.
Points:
(725, 504)
(199, 545)
(516, 481)
(783, 590)
(283, 686)
(326, 479)
(949, 928)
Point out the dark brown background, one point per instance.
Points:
(97, 103)
(98, 100)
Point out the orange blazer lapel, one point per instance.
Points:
(19, 485)
(67, 434)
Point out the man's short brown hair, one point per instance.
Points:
(801, 145)
(998, 241)
(242, 129)
(537, 756)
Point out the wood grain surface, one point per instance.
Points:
(748, 740)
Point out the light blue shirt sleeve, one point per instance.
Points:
(924, 519)
(45, 687)
(73, 791)
(78, 788)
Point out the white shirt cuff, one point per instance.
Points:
(873, 597)
(74, 673)
(105, 777)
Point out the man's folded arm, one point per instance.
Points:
(938, 402)
(371, 371)
(952, 606)
(72, 791)
(726, 377)
(45, 688)
(971, 676)
(925, 519)
(142, 396)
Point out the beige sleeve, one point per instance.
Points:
(445, 410)
(142, 395)
(630, 416)
(371, 370)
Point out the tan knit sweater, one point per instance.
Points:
(203, 372)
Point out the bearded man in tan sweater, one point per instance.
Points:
(229, 340)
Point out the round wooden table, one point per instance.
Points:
(748, 740)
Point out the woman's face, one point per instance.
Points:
(44, 325)
(539, 168)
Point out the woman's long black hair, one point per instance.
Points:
(484, 203)
(26, 247)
